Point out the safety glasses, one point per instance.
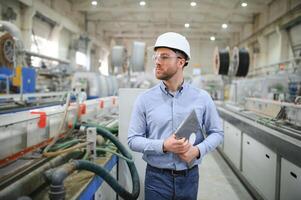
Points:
(163, 58)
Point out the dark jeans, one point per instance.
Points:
(163, 184)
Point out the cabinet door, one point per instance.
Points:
(232, 143)
(105, 192)
(259, 166)
(290, 185)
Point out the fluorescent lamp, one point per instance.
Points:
(224, 26)
(192, 4)
(244, 4)
(142, 3)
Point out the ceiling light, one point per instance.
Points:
(212, 38)
(224, 26)
(142, 3)
(244, 4)
(192, 4)
(94, 3)
(186, 25)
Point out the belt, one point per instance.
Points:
(171, 171)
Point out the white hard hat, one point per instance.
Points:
(174, 41)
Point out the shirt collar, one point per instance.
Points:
(165, 89)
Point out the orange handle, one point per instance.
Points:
(43, 119)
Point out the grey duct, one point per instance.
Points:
(30, 182)
(14, 31)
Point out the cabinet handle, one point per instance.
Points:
(293, 174)
(248, 142)
(266, 155)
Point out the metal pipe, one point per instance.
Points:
(30, 182)
(47, 57)
(56, 177)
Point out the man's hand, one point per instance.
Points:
(178, 146)
(188, 156)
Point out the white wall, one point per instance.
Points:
(272, 41)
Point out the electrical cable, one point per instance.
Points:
(52, 154)
(240, 61)
(221, 61)
(56, 137)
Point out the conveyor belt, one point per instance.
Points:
(283, 127)
(283, 141)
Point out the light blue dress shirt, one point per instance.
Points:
(157, 114)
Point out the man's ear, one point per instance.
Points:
(182, 62)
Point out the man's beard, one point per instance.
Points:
(165, 75)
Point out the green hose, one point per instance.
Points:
(110, 180)
(113, 130)
(103, 173)
(63, 145)
(57, 176)
(86, 155)
(114, 152)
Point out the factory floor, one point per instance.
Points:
(217, 180)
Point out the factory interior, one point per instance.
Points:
(71, 72)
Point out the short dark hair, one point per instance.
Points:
(182, 55)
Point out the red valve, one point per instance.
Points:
(43, 118)
(101, 104)
(83, 108)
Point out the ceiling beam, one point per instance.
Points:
(217, 10)
(158, 21)
(156, 33)
(178, 22)
(166, 29)
(152, 37)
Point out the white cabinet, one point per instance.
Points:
(105, 192)
(290, 185)
(127, 97)
(232, 143)
(259, 167)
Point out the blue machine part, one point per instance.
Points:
(293, 88)
(4, 73)
(28, 80)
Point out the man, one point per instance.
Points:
(172, 163)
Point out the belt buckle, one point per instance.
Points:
(178, 173)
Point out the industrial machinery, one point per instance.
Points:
(19, 75)
(42, 132)
(262, 128)
(94, 84)
(36, 145)
(130, 69)
(15, 75)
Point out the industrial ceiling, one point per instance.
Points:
(203, 18)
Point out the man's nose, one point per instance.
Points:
(157, 60)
